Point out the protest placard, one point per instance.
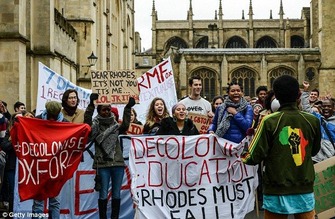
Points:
(135, 129)
(324, 188)
(114, 87)
(200, 121)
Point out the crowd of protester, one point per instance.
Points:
(233, 117)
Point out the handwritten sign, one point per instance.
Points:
(135, 129)
(51, 86)
(324, 188)
(114, 86)
(200, 121)
(48, 154)
(200, 176)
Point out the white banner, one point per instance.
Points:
(190, 177)
(51, 86)
(157, 82)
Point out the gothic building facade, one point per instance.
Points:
(251, 51)
(61, 34)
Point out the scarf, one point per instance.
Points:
(224, 117)
(44, 115)
(106, 131)
(69, 110)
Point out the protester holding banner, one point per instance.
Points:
(286, 141)
(156, 112)
(70, 110)
(178, 124)
(233, 118)
(194, 102)
(108, 158)
(7, 146)
(52, 112)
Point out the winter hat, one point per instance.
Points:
(53, 108)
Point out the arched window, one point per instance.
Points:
(236, 42)
(310, 74)
(266, 42)
(176, 42)
(279, 72)
(246, 77)
(208, 80)
(297, 42)
(202, 42)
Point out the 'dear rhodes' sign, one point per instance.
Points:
(115, 87)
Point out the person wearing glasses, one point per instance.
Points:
(70, 110)
(108, 159)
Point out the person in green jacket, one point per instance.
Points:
(286, 141)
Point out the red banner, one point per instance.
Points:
(48, 154)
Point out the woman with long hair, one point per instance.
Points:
(156, 112)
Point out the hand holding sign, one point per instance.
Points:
(131, 102)
(114, 87)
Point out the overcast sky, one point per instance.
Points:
(205, 9)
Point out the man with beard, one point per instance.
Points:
(327, 120)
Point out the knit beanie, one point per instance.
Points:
(53, 108)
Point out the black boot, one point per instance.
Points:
(115, 208)
(102, 204)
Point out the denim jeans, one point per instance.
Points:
(54, 207)
(114, 174)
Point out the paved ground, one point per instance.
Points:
(253, 215)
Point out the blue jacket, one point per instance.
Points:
(327, 148)
(239, 124)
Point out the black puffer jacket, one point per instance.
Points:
(169, 127)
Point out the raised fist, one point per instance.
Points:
(294, 141)
(131, 102)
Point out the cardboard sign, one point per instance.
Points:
(135, 129)
(200, 121)
(324, 188)
(114, 86)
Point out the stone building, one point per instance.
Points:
(61, 34)
(251, 51)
